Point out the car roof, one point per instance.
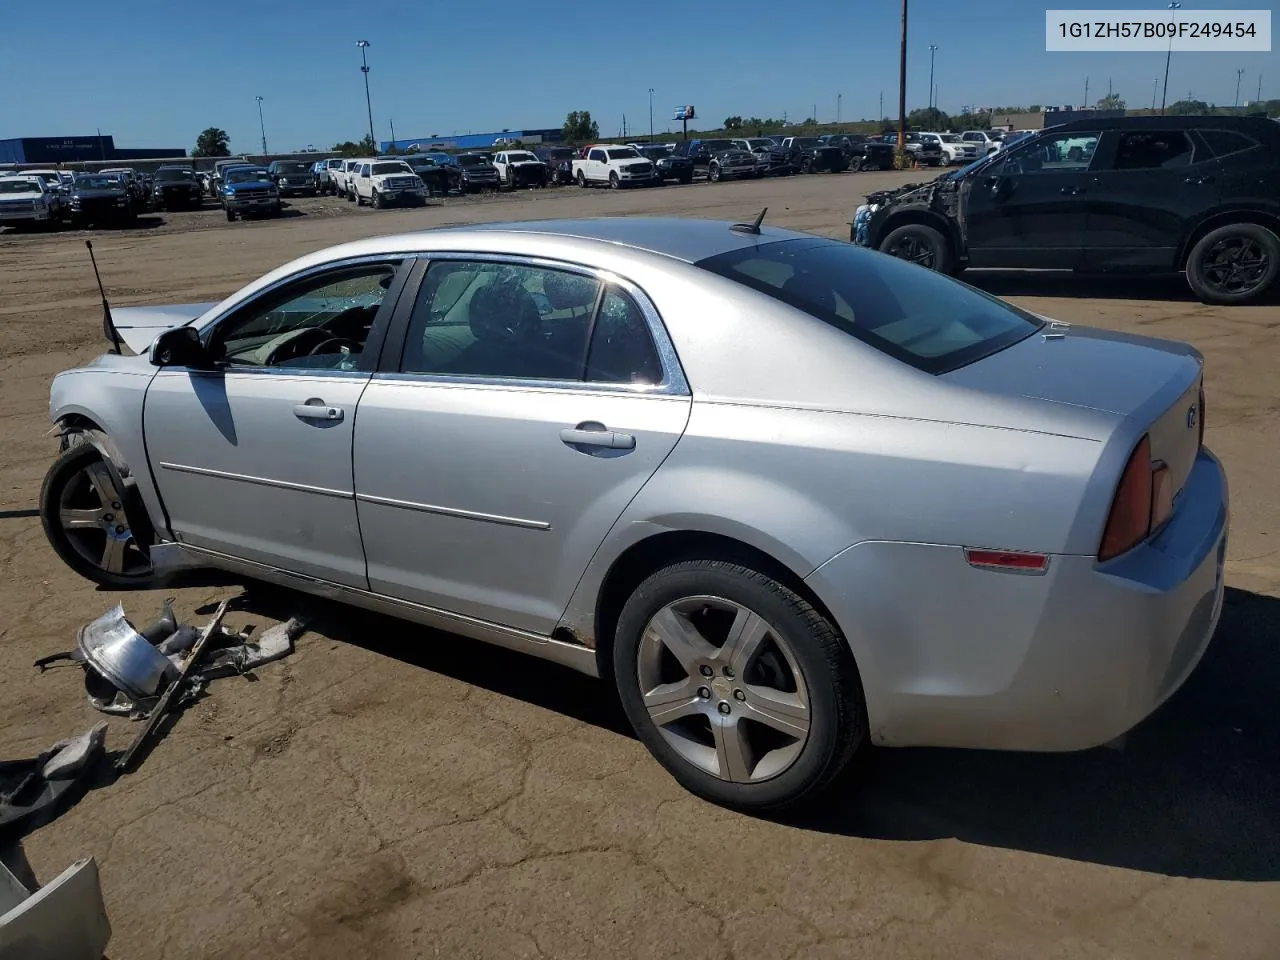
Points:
(1253, 125)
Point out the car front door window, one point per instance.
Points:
(320, 323)
(1060, 153)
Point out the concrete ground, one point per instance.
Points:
(393, 792)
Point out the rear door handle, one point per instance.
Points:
(592, 434)
(1198, 181)
(316, 409)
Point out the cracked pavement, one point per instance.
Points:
(394, 792)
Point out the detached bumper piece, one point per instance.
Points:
(63, 920)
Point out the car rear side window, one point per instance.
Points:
(1224, 143)
(922, 318)
(622, 349)
(1154, 150)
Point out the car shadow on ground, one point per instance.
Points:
(1195, 790)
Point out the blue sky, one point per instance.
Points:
(155, 73)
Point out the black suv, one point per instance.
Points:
(1133, 194)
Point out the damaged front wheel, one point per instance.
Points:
(82, 508)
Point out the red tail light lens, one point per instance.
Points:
(1130, 518)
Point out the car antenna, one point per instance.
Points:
(108, 325)
(753, 226)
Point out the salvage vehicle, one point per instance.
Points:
(1143, 195)
(862, 152)
(734, 160)
(249, 191)
(926, 154)
(101, 199)
(987, 141)
(59, 190)
(771, 158)
(667, 164)
(324, 175)
(25, 202)
(476, 173)
(177, 188)
(293, 177)
(520, 168)
(614, 167)
(811, 155)
(559, 161)
(954, 149)
(133, 183)
(437, 179)
(539, 435)
(385, 183)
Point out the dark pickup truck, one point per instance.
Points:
(559, 161)
(862, 152)
(176, 188)
(292, 177)
(811, 155)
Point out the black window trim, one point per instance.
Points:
(1200, 131)
(673, 383)
(935, 366)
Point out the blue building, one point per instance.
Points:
(471, 141)
(99, 147)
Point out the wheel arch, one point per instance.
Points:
(77, 426)
(1221, 219)
(646, 556)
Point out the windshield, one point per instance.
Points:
(48, 176)
(756, 142)
(14, 185)
(657, 153)
(562, 153)
(521, 156)
(714, 145)
(917, 316)
(97, 183)
(805, 142)
(625, 153)
(970, 167)
(176, 173)
(293, 167)
(399, 166)
(949, 138)
(470, 160)
(244, 176)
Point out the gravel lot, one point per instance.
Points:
(393, 792)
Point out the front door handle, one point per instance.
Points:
(1071, 191)
(593, 434)
(317, 409)
(1198, 181)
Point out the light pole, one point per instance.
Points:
(933, 49)
(1174, 7)
(1239, 74)
(1155, 88)
(364, 68)
(262, 126)
(651, 114)
(902, 85)
(839, 99)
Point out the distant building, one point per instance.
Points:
(471, 141)
(95, 147)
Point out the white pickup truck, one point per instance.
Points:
(520, 168)
(384, 183)
(615, 167)
(342, 175)
(25, 201)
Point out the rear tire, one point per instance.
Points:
(921, 244)
(231, 216)
(582, 180)
(1234, 264)
(761, 706)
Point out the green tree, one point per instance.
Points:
(1111, 101)
(733, 123)
(928, 118)
(350, 148)
(579, 127)
(212, 142)
(1190, 108)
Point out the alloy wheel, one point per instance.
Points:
(723, 688)
(1235, 265)
(91, 513)
(915, 250)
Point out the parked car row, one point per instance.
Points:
(1137, 195)
(106, 197)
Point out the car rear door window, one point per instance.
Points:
(1224, 143)
(500, 320)
(1153, 150)
(622, 348)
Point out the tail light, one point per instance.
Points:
(1130, 519)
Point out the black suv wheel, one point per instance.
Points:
(1234, 264)
(921, 244)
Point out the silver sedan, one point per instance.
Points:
(789, 496)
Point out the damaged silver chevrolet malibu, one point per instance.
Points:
(788, 496)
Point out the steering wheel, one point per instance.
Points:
(300, 343)
(347, 342)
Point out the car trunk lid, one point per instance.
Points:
(1155, 382)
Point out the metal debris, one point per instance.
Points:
(31, 788)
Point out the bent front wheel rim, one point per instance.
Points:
(91, 515)
(723, 688)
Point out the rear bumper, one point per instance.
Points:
(955, 656)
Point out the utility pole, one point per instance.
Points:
(933, 49)
(1259, 87)
(1239, 75)
(393, 134)
(1086, 92)
(1174, 7)
(364, 68)
(651, 114)
(839, 99)
(881, 116)
(262, 126)
(1155, 87)
(902, 84)
(814, 115)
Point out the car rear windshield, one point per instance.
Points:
(175, 173)
(299, 166)
(11, 185)
(922, 318)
